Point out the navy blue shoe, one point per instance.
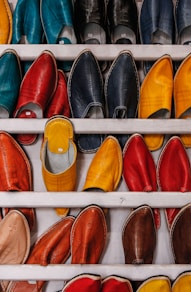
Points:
(10, 79)
(157, 25)
(85, 93)
(122, 90)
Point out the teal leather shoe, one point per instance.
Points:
(27, 26)
(10, 80)
(57, 21)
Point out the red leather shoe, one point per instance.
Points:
(15, 172)
(36, 91)
(88, 236)
(53, 247)
(174, 172)
(84, 283)
(59, 104)
(139, 170)
(116, 284)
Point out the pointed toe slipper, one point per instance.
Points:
(115, 283)
(182, 91)
(156, 97)
(173, 172)
(157, 284)
(182, 282)
(58, 156)
(86, 282)
(5, 22)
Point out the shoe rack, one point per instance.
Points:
(119, 202)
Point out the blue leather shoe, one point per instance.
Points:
(85, 93)
(156, 24)
(10, 80)
(122, 90)
(27, 26)
(57, 21)
(183, 21)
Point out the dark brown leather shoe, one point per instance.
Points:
(88, 236)
(139, 236)
(180, 235)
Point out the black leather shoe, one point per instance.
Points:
(122, 90)
(90, 21)
(85, 93)
(123, 21)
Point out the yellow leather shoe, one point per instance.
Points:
(58, 156)
(105, 170)
(182, 283)
(182, 92)
(156, 97)
(5, 22)
(156, 284)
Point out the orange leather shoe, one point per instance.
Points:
(14, 241)
(36, 91)
(15, 172)
(173, 172)
(139, 243)
(105, 176)
(83, 283)
(116, 284)
(156, 284)
(182, 282)
(58, 156)
(5, 22)
(53, 247)
(182, 92)
(156, 97)
(180, 235)
(139, 170)
(88, 236)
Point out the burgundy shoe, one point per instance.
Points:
(36, 91)
(116, 284)
(139, 236)
(174, 172)
(139, 170)
(83, 283)
(59, 104)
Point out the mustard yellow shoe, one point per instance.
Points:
(182, 283)
(5, 22)
(58, 156)
(182, 93)
(156, 97)
(156, 284)
(105, 170)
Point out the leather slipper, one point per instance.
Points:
(173, 172)
(84, 283)
(182, 282)
(156, 97)
(115, 283)
(182, 91)
(6, 22)
(14, 241)
(180, 236)
(139, 243)
(88, 236)
(52, 247)
(36, 91)
(139, 170)
(157, 284)
(58, 156)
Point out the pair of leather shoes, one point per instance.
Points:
(6, 22)
(94, 283)
(86, 93)
(43, 92)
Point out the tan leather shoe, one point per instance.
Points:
(105, 176)
(156, 284)
(5, 22)
(85, 283)
(58, 156)
(14, 240)
(182, 283)
(53, 247)
(139, 243)
(14, 178)
(88, 236)
(180, 235)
